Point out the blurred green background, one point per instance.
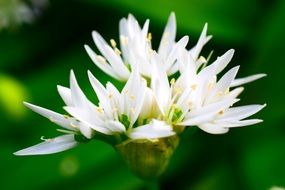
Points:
(34, 58)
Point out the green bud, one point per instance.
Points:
(148, 159)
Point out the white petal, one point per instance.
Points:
(203, 39)
(101, 63)
(78, 97)
(241, 112)
(134, 92)
(153, 130)
(223, 61)
(241, 81)
(160, 85)
(57, 118)
(90, 119)
(239, 123)
(223, 84)
(65, 95)
(213, 128)
(102, 94)
(115, 127)
(85, 130)
(117, 64)
(50, 146)
(168, 36)
(172, 55)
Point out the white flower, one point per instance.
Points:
(198, 99)
(115, 116)
(136, 49)
(149, 108)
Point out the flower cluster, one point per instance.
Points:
(165, 92)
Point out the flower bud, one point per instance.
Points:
(146, 158)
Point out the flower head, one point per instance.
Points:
(143, 121)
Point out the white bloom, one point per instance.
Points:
(116, 115)
(198, 99)
(136, 49)
(150, 111)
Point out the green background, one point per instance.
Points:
(35, 58)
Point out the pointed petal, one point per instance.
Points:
(85, 130)
(239, 123)
(213, 128)
(160, 85)
(57, 118)
(133, 93)
(89, 119)
(50, 146)
(115, 127)
(241, 81)
(223, 61)
(65, 95)
(203, 39)
(153, 130)
(241, 112)
(102, 94)
(78, 97)
(168, 36)
(101, 63)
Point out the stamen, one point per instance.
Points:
(73, 125)
(172, 81)
(132, 97)
(149, 37)
(220, 93)
(117, 51)
(194, 86)
(113, 43)
(221, 112)
(101, 59)
(100, 110)
(132, 110)
(47, 140)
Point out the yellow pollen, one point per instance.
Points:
(194, 86)
(99, 109)
(117, 51)
(132, 97)
(210, 85)
(73, 125)
(221, 112)
(220, 93)
(66, 116)
(113, 43)
(132, 110)
(149, 37)
(172, 81)
(101, 59)
(110, 96)
(126, 91)
(178, 90)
